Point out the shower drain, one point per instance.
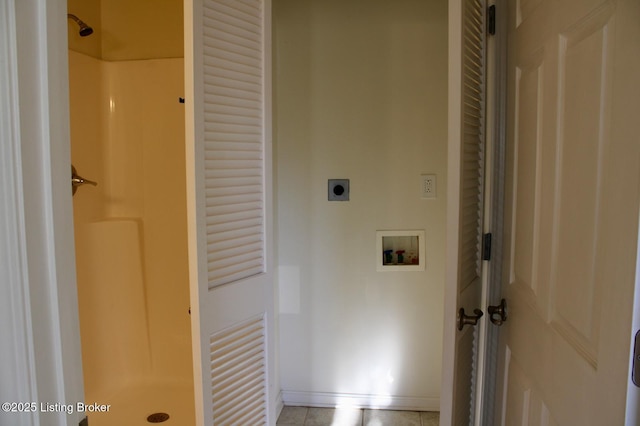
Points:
(158, 418)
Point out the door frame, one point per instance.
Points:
(44, 360)
(451, 262)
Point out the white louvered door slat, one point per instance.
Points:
(227, 76)
(234, 132)
(473, 94)
(467, 160)
(233, 138)
(238, 373)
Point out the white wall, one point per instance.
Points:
(360, 93)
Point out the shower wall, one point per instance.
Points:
(127, 133)
(129, 30)
(361, 94)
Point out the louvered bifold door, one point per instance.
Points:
(227, 76)
(471, 204)
(473, 123)
(233, 134)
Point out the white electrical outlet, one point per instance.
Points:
(428, 186)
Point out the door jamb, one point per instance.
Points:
(453, 194)
(39, 200)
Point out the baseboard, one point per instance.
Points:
(386, 402)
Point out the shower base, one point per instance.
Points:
(132, 405)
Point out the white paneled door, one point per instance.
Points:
(227, 75)
(571, 211)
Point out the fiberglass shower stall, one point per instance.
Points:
(127, 133)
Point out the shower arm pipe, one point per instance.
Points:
(85, 29)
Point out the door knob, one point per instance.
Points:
(498, 313)
(464, 319)
(77, 180)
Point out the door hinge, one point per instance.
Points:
(486, 246)
(491, 20)
(635, 376)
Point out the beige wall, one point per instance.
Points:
(360, 93)
(127, 30)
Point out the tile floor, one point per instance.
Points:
(303, 416)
